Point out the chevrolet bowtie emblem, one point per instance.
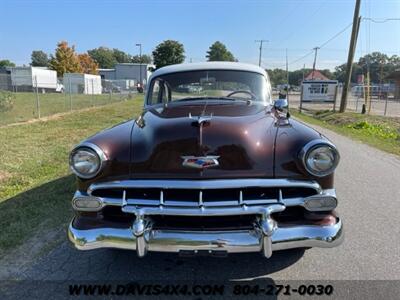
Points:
(200, 162)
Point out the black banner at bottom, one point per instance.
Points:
(257, 289)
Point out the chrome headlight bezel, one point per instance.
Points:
(93, 149)
(313, 145)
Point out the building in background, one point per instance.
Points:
(128, 71)
(76, 83)
(316, 75)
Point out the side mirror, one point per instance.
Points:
(282, 107)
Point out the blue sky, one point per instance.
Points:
(293, 24)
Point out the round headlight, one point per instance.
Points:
(320, 158)
(85, 162)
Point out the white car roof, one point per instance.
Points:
(212, 65)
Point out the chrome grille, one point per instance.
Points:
(204, 193)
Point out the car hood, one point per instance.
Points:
(240, 134)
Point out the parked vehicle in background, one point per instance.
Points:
(27, 79)
(379, 91)
(110, 87)
(60, 88)
(139, 87)
(224, 171)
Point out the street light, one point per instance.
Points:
(140, 66)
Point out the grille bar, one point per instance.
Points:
(204, 193)
(205, 184)
(195, 202)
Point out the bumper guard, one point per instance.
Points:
(266, 237)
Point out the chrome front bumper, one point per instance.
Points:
(265, 235)
(264, 238)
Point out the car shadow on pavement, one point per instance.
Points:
(164, 266)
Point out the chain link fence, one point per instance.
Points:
(27, 97)
(385, 104)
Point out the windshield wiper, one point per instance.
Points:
(248, 101)
(190, 99)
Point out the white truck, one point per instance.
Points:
(26, 79)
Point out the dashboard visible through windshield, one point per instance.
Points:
(220, 85)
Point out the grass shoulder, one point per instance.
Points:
(377, 131)
(36, 185)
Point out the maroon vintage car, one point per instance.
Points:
(211, 166)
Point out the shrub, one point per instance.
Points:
(380, 130)
(6, 101)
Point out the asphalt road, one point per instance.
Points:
(368, 186)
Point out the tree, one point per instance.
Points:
(277, 76)
(327, 73)
(219, 52)
(104, 57)
(6, 63)
(107, 58)
(65, 60)
(146, 59)
(296, 77)
(121, 56)
(39, 59)
(394, 62)
(88, 65)
(376, 62)
(167, 53)
(340, 72)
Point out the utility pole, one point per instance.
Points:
(287, 77)
(140, 63)
(315, 61)
(352, 48)
(260, 54)
(304, 67)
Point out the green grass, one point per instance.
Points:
(25, 104)
(35, 182)
(377, 131)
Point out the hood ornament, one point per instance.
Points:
(200, 162)
(202, 118)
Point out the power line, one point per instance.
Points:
(380, 20)
(321, 46)
(336, 35)
(297, 60)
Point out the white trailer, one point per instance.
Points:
(76, 83)
(28, 78)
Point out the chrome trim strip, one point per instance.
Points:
(205, 184)
(300, 201)
(180, 207)
(201, 211)
(240, 241)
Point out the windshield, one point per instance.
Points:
(210, 84)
